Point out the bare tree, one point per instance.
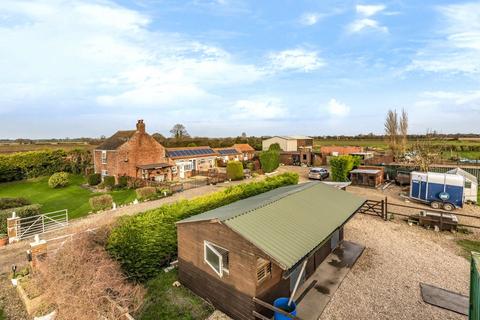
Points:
(403, 126)
(391, 131)
(179, 131)
(425, 153)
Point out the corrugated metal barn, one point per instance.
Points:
(256, 246)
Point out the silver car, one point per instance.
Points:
(318, 173)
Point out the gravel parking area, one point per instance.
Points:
(385, 281)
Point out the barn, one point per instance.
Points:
(256, 247)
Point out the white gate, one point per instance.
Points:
(43, 223)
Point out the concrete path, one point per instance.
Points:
(314, 295)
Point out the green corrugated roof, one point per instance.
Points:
(289, 222)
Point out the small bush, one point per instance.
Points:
(109, 182)
(103, 202)
(341, 166)
(94, 179)
(270, 160)
(7, 203)
(274, 147)
(58, 180)
(22, 212)
(234, 170)
(122, 182)
(145, 242)
(146, 193)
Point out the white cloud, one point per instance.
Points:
(295, 60)
(456, 47)
(369, 10)
(466, 100)
(100, 52)
(365, 21)
(310, 18)
(337, 108)
(258, 109)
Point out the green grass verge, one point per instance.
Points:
(164, 301)
(469, 246)
(73, 197)
(2, 315)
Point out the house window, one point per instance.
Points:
(188, 166)
(264, 269)
(468, 184)
(104, 157)
(304, 157)
(104, 173)
(216, 257)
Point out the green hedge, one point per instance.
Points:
(270, 160)
(94, 179)
(146, 242)
(22, 212)
(235, 170)
(109, 182)
(342, 165)
(7, 203)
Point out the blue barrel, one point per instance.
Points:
(282, 303)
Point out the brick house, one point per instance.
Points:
(188, 160)
(247, 151)
(133, 153)
(229, 154)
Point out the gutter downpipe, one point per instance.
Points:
(297, 282)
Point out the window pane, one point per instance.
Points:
(213, 259)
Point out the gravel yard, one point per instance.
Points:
(385, 281)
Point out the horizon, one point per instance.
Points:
(223, 67)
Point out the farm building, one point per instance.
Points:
(256, 247)
(326, 152)
(367, 176)
(132, 153)
(470, 184)
(289, 143)
(188, 160)
(247, 151)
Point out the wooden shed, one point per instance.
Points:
(256, 247)
(367, 176)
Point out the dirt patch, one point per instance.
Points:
(10, 301)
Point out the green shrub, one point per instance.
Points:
(341, 166)
(7, 203)
(22, 212)
(269, 160)
(145, 242)
(58, 180)
(109, 182)
(94, 179)
(103, 202)
(234, 170)
(122, 182)
(274, 147)
(146, 193)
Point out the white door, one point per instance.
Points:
(182, 171)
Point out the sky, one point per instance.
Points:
(222, 67)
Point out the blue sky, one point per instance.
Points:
(222, 67)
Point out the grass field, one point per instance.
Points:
(16, 147)
(73, 197)
(164, 301)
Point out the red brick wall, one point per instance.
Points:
(327, 150)
(141, 149)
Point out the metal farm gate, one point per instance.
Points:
(43, 223)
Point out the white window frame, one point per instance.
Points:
(104, 173)
(211, 246)
(104, 157)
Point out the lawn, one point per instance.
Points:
(73, 197)
(164, 301)
(469, 246)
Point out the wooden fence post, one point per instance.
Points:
(385, 209)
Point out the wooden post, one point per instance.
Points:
(12, 228)
(385, 209)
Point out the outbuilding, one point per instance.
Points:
(470, 184)
(260, 246)
(367, 176)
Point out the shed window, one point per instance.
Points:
(104, 157)
(216, 257)
(264, 269)
(468, 184)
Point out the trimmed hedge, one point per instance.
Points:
(22, 212)
(103, 202)
(58, 180)
(144, 243)
(94, 179)
(122, 182)
(341, 166)
(146, 193)
(235, 170)
(7, 203)
(109, 182)
(270, 160)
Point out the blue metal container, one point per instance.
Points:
(282, 303)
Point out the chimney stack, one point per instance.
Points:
(140, 126)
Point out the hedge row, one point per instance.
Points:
(7, 203)
(342, 165)
(146, 242)
(270, 160)
(25, 165)
(22, 212)
(235, 170)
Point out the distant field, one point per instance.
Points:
(12, 148)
